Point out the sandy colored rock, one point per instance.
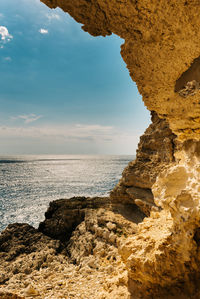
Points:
(64, 215)
(86, 266)
(10, 296)
(155, 151)
(31, 292)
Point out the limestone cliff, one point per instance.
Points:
(155, 152)
(108, 245)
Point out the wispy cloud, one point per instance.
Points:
(78, 138)
(53, 16)
(75, 132)
(28, 118)
(8, 59)
(43, 31)
(5, 36)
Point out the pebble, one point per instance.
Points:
(31, 291)
(111, 226)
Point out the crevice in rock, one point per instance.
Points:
(188, 83)
(197, 237)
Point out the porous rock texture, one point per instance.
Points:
(84, 264)
(109, 248)
(155, 152)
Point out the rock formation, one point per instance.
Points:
(162, 54)
(106, 244)
(83, 264)
(155, 152)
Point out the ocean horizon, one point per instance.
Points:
(29, 182)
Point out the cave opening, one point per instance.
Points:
(62, 92)
(64, 82)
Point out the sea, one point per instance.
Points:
(29, 183)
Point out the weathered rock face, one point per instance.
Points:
(10, 296)
(95, 259)
(23, 240)
(64, 215)
(86, 264)
(155, 152)
(165, 251)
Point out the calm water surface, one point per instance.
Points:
(29, 183)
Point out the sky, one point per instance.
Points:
(63, 91)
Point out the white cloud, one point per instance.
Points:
(78, 138)
(8, 58)
(28, 118)
(43, 31)
(77, 132)
(53, 16)
(5, 36)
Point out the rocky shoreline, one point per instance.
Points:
(73, 254)
(77, 252)
(83, 237)
(126, 246)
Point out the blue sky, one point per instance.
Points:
(63, 91)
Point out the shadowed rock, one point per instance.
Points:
(64, 215)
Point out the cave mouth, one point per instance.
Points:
(70, 82)
(35, 88)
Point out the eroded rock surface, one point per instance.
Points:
(165, 251)
(155, 151)
(25, 248)
(64, 215)
(87, 266)
(10, 296)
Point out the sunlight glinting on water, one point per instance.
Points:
(29, 183)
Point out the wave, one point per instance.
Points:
(37, 160)
(12, 161)
(121, 159)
